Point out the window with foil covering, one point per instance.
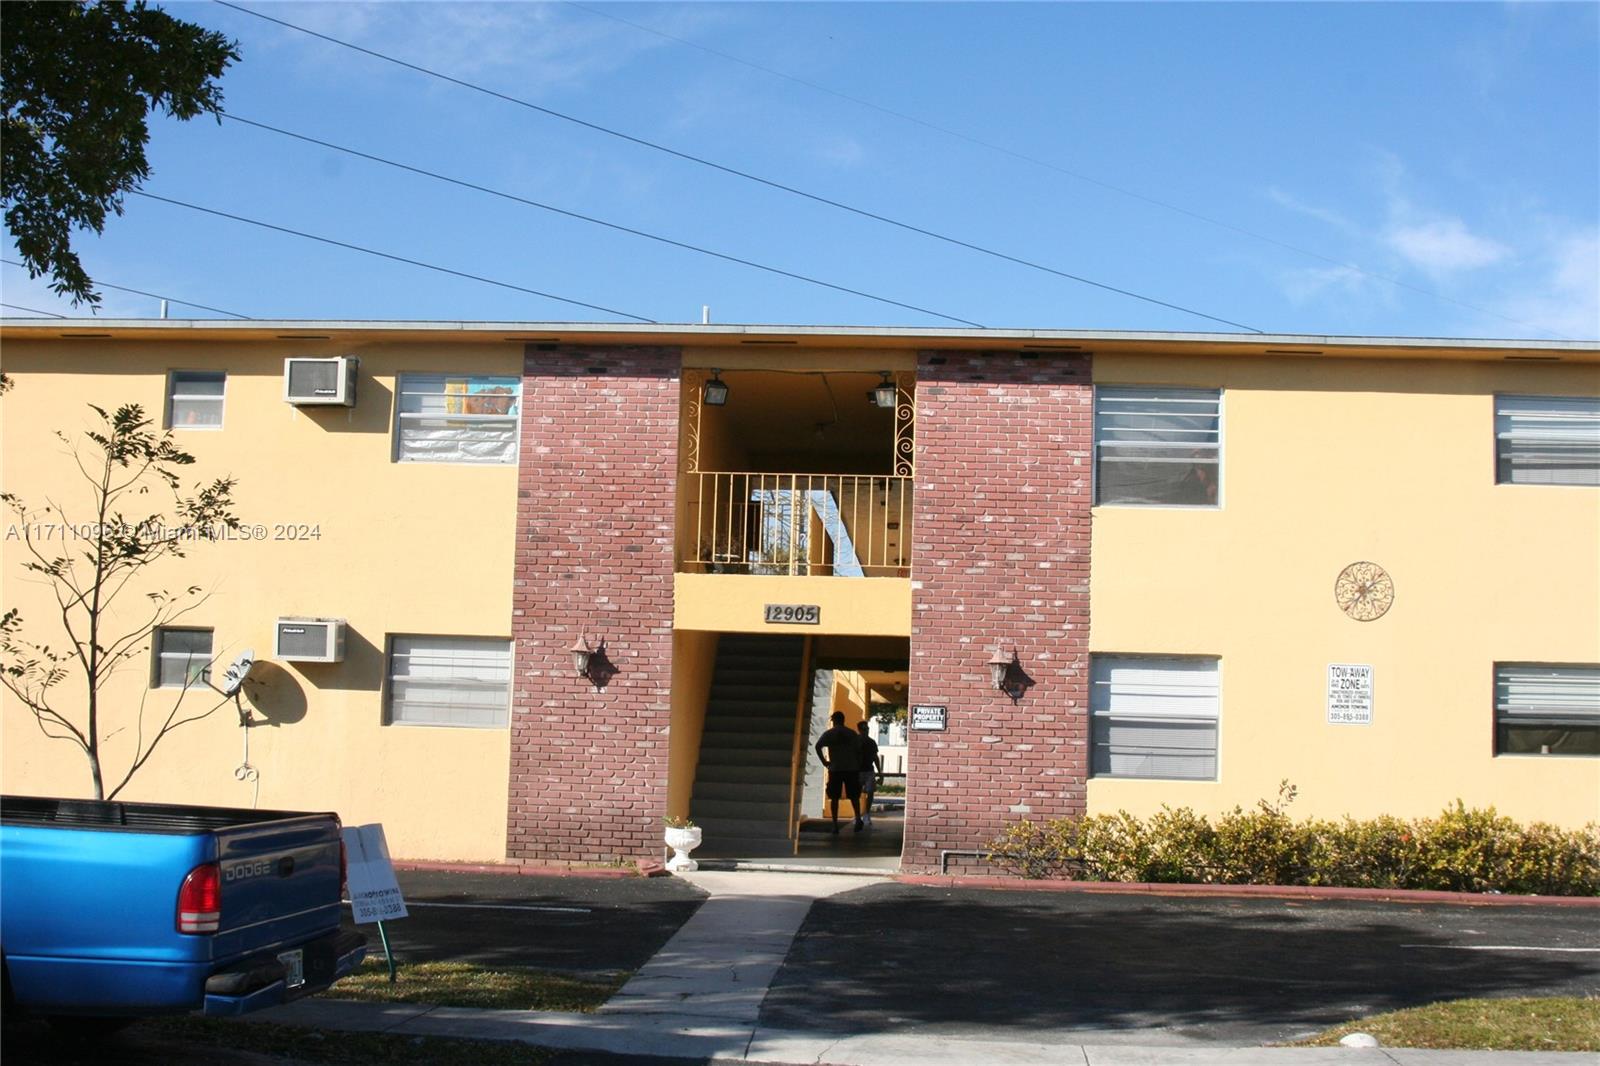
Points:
(1542, 709)
(457, 418)
(1547, 440)
(1153, 717)
(1157, 446)
(455, 681)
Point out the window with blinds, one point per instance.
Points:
(1157, 446)
(456, 418)
(194, 399)
(1547, 440)
(457, 681)
(1153, 717)
(1541, 709)
(182, 657)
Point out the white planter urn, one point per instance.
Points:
(682, 842)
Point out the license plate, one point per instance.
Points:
(294, 967)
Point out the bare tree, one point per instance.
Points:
(121, 461)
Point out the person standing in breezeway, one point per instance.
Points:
(871, 767)
(840, 751)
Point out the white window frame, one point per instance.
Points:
(1173, 392)
(1551, 696)
(460, 420)
(221, 399)
(1552, 421)
(1100, 711)
(158, 657)
(393, 681)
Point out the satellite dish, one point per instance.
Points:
(238, 670)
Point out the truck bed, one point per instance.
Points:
(134, 817)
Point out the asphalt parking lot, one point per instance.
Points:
(1230, 971)
(579, 925)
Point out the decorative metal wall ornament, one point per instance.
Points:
(693, 382)
(905, 426)
(1364, 591)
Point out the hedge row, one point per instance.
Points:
(1461, 850)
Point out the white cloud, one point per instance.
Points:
(1566, 299)
(1443, 246)
(1315, 283)
(1293, 203)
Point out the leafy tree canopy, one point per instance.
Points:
(77, 81)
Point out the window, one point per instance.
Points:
(183, 657)
(1157, 446)
(463, 681)
(451, 418)
(1153, 717)
(1546, 710)
(1547, 440)
(194, 399)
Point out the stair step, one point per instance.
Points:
(710, 810)
(748, 828)
(771, 759)
(738, 774)
(743, 791)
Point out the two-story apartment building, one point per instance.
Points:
(1100, 571)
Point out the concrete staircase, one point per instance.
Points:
(741, 786)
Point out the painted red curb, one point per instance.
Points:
(1395, 895)
(521, 869)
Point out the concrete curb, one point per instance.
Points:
(1375, 895)
(605, 873)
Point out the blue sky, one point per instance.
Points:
(1385, 169)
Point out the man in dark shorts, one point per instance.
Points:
(840, 751)
(871, 767)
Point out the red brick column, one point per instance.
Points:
(594, 556)
(1001, 557)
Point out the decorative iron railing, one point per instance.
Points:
(844, 525)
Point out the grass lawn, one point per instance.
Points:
(343, 1049)
(465, 984)
(1569, 1023)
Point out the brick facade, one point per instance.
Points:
(1001, 557)
(594, 556)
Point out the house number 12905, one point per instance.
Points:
(804, 614)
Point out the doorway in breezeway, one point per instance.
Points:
(867, 680)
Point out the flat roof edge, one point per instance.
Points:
(38, 327)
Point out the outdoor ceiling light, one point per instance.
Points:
(715, 392)
(884, 394)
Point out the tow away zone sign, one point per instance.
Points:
(1349, 694)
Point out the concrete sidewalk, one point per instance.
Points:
(700, 997)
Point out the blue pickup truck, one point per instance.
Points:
(117, 910)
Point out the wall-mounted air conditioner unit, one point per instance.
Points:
(321, 381)
(308, 640)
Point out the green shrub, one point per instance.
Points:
(1461, 850)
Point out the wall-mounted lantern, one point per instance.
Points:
(1007, 674)
(591, 663)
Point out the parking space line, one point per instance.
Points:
(1499, 947)
(499, 907)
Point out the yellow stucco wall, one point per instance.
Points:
(402, 548)
(735, 603)
(1327, 463)
(694, 660)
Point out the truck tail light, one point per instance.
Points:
(200, 900)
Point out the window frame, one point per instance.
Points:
(157, 655)
(1096, 658)
(221, 399)
(1095, 443)
(1495, 438)
(1495, 712)
(401, 416)
(389, 680)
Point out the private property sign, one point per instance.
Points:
(1349, 694)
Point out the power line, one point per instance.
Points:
(32, 310)
(700, 160)
(1047, 165)
(389, 256)
(141, 292)
(596, 221)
